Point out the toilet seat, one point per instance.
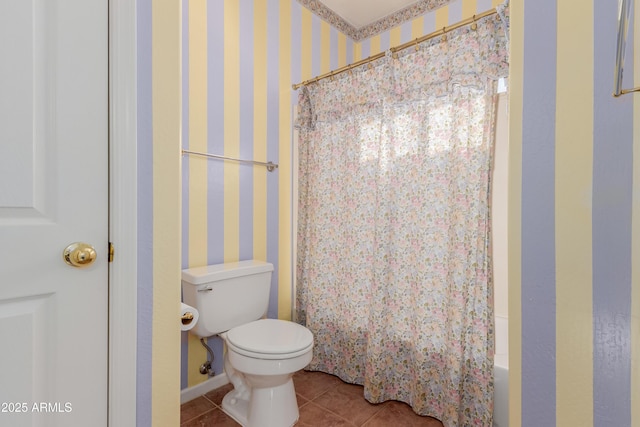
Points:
(270, 339)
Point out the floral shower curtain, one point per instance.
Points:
(393, 270)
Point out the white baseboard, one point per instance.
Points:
(198, 390)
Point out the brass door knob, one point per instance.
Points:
(79, 254)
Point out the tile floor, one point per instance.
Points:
(324, 400)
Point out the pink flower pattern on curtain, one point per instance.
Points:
(393, 260)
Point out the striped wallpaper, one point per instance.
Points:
(240, 59)
(158, 222)
(574, 217)
(574, 201)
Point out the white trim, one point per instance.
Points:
(295, 135)
(123, 180)
(198, 390)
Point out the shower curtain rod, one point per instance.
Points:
(396, 49)
(269, 165)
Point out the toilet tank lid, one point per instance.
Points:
(216, 272)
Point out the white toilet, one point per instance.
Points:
(261, 354)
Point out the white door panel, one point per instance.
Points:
(53, 191)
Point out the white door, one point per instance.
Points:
(53, 192)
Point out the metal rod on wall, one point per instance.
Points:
(393, 50)
(624, 10)
(269, 165)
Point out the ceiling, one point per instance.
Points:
(360, 13)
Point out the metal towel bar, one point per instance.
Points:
(269, 165)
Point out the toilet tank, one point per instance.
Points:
(227, 295)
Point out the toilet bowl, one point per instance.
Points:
(261, 355)
(261, 358)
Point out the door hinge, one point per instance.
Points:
(111, 252)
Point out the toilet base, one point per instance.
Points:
(267, 407)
